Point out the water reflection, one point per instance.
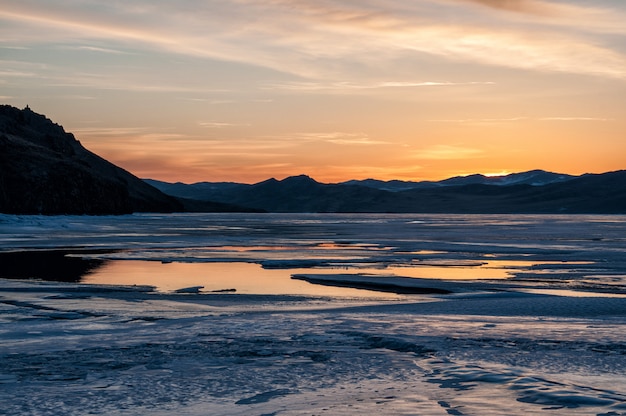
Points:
(251, 278)
(247, 278)
(477, 270)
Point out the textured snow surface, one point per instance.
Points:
(490, 347)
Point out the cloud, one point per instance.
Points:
(130, 135)
(342, 138)
(359, 141)
(522, 6)
(403, 84)
(347, 86)
(124, 81)
(479, 120)
(110, 131)
(20, 74)
(156, 137)
(77, 97)
(549, 52)
(214, 124)
(97, 49)
(256, 145)
(447, 152)
(17, 48)
(330, 37)
(574, 119)
(515, 119)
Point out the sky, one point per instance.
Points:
(245, 90)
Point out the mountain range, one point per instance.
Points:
(202, 190)
(533, 177)
(535, 191)
(45, 170)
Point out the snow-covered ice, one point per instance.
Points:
(529, 320)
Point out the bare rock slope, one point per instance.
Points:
(45, 170)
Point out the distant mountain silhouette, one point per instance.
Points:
(195, 191)
(527, 192)
(533, 177)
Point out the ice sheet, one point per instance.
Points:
(79, 350)
(489, 347)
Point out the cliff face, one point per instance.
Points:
(45, 170)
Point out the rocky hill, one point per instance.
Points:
(45, 170)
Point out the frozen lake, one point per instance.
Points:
(258, 253)
(313, 314)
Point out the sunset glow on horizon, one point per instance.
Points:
(245, 90)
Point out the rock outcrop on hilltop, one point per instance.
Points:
(45, 170)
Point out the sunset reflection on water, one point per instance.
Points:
(246, 278)
(251, 278)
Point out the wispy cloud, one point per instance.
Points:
(129, 135)
(130, 81)
(347, 86)
(111, 131)
(403, 84)
(341, 138)
(574, 119)
(20, 74)
(96, 49)
(521, 6)
(315, 39)
(356, 141)
(597, 17)
(17, 48)
(155, 137)
(77, 97)
(215, 124)
(515, 119)
(447, 152)
(478, 120)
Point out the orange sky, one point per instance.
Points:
(244, 90)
